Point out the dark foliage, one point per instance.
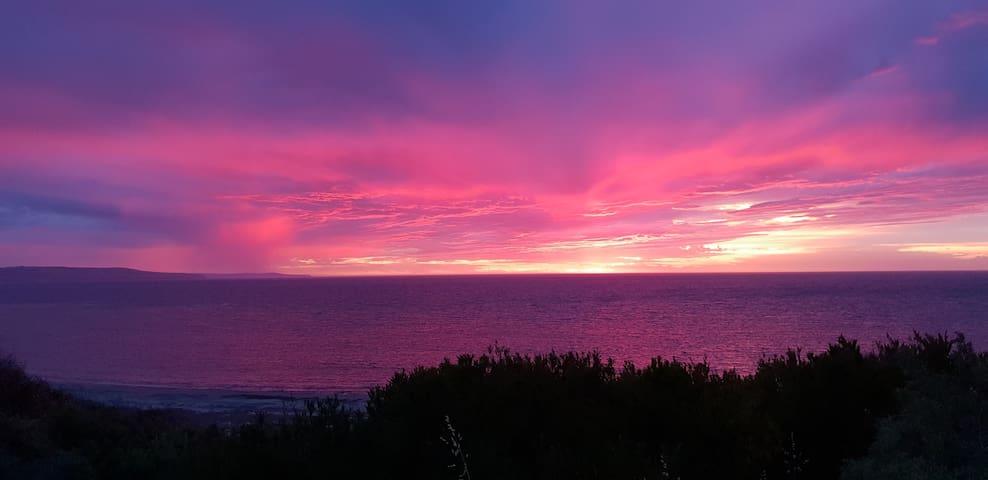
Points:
(910, 409)
(941, 429)
(45, 433)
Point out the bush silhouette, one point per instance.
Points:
(912, 409)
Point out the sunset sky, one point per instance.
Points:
(398, 137)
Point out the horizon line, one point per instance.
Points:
(496, 274)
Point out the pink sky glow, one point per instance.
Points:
(344, 139)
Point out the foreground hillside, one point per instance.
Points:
(903, 410)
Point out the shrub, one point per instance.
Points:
(906, 410)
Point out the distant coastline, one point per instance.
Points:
(26, 274)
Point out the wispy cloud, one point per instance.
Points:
(341, 139)
(957, 250)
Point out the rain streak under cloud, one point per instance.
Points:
(460, 137)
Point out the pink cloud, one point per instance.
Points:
(964, 20)
(328, 148)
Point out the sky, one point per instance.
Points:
(438, 137)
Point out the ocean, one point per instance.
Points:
(217, 344)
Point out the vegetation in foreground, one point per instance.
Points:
(906, 410)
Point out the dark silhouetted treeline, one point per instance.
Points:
(903, 410)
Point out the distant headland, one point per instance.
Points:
(112, 274)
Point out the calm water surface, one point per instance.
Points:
(329, 335)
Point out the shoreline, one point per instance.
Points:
(205, 406)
